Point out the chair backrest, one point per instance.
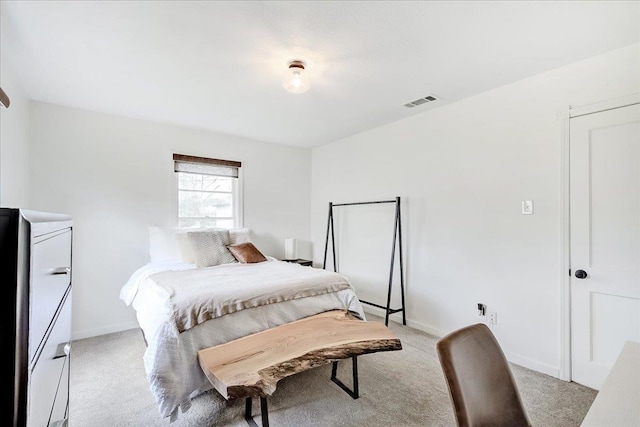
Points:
(481, 385)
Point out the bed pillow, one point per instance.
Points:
(210, 247)
(170, 244)
(186, 250)
(236, 236)
(246, 253)
(240, 235)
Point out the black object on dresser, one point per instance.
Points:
(300, 261)
(35, 250)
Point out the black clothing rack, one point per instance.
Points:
(397, 242)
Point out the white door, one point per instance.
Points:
(605, 239)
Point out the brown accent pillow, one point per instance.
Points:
(246, 253)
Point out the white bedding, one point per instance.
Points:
(171, 357)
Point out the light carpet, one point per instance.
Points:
(399, 388)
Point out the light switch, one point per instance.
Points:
(527, 207)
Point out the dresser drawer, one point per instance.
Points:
(60, 412)
(49, 380)
(50, 277)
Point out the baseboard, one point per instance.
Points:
(516, 359)
(397, 318)
(89, 333)
(525, 362)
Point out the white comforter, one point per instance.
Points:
(171, 357)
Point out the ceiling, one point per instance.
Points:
(217, 65)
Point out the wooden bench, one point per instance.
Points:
(252, 366)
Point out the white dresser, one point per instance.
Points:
(36, 256)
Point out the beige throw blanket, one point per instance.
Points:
(198, 295)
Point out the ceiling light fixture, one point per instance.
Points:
(295, 79)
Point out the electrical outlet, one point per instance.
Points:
(493, 318)
(482, 309)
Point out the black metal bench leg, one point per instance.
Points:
(247, 412)
(264, 410)
(334, 370)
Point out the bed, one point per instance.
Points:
(183, 307)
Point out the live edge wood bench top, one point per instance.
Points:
(253, 365)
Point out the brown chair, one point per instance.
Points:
(481, 385)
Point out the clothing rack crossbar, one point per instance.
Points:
(364, 203)
(397, 243)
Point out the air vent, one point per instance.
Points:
(421, 101)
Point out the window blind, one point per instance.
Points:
(206, 166)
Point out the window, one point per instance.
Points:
(208, 192)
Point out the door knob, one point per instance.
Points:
(581, 274)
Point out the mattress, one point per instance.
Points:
(170, 360)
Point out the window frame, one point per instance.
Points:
(236, 192)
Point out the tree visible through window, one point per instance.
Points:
(207, 192)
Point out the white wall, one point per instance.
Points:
(115, 176)
(14, 124)
(462, 171)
